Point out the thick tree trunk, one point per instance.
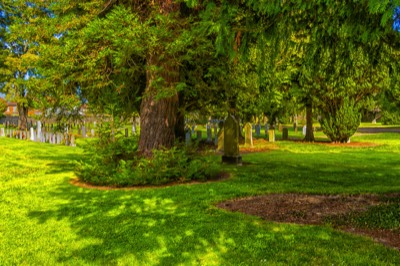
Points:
(22, 117)
(158, 116)
(309, 130)
(159, 107)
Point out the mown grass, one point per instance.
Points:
(45, 221)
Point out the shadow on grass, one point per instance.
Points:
(168, 227)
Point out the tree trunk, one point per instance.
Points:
(158, 113)
(158, 116)
(22, 117)
(309, 130)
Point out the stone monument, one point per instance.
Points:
(231, 141)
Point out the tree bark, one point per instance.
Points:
(22, 117)
(309, 124)
(159, 112)
(158, 116)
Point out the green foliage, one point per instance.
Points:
(340, 125)
(117, 163)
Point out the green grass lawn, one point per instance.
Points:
(46, 221)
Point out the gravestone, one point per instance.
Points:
(271, 135)
(258, 130)
(285, 133)
(231, 141)
(73, 141)
(32, 134)
(66, 139)
(20, 135)
(188, 136)
(248, 135)
(39, 128)
(83, 132)
(2, 133)
(304, 130)
(133, 129)
(209, 133)
(92, 132)
(58, 138)
(199, 135)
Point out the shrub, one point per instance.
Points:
(117, 163)
(341, 124)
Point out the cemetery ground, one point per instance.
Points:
(45, 220)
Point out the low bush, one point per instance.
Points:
(117, 163)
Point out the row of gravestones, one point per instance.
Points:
(38, 136)
(42, 134)
(248, 132)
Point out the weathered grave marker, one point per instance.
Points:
(231, 141)
(285, 133)
(271, 135)
(248, 135)
(258, 130)
(199, 135)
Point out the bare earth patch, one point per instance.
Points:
(313, 210)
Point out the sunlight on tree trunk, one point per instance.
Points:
(158, 116)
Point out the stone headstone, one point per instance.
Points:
(248, 135)
(73, 141)
(39, 128)
(58, 138)
(258, 130)
(199, 135)
(92, 133)
(20, 135)
(304, 130)
(271, 135)
(83, 132)
(2, 133)
(133, 129)
(32, 134)
(188, 136)
(231, 141)
(209, 133)
(285, 133)
(215, 134)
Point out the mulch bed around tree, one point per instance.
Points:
(313, 210)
